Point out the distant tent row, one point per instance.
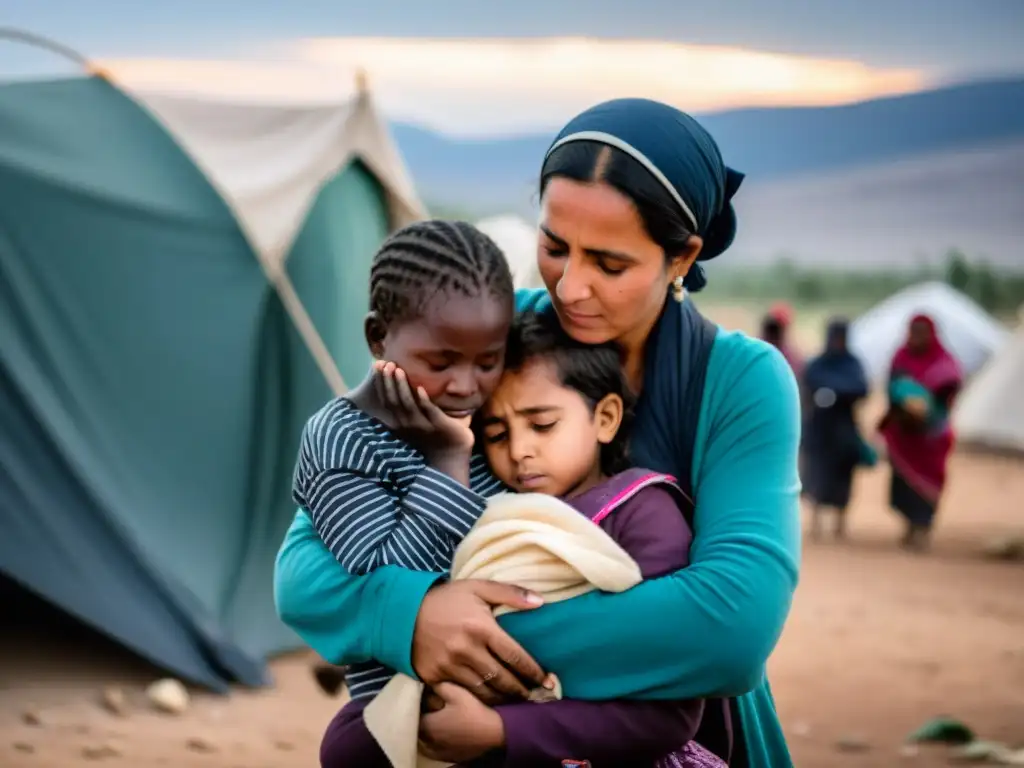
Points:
(182, 283)
(989, 414)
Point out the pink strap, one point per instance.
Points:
(630, 491)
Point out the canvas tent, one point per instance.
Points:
(518, 240)
(990, 413)
(182, 283)
(969, 333)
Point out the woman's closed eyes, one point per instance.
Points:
(610, 265)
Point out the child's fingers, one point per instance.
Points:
(431, 702)
(392, 399)
(431, 412)
(405, 394)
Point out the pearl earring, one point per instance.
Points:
(678, 291)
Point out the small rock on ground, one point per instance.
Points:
(203, 746)
(31, 717)
(100, 752)
(114, 701)
(852, 743)
(169, 696)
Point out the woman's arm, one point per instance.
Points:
(346, 619)
(349, 619)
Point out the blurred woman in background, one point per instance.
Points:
(834, 384)
(923, 382)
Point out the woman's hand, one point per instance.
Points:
(457, 640)
(416, 418)
(458, 727)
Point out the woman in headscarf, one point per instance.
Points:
(923, 382)
(634, 194)
(834, 383)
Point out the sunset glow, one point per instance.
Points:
(493, 86)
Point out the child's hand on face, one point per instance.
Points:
(417, 419)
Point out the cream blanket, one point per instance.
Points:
(535, 541)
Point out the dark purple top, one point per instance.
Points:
(642, 512)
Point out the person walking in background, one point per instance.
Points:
(833, 447)
(924, 380)
(775, 330)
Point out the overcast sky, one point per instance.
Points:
(473, 67)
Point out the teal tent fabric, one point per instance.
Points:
(329, 266)
(151, 384)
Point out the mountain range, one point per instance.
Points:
(893, 180)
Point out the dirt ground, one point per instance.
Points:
(878, 642)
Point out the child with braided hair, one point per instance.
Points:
(391, 485)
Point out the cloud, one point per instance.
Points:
(476, 87)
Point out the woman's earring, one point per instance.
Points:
(678, 291)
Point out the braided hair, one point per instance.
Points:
(592, 370)
(428, 258)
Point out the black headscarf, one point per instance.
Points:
(680, 154)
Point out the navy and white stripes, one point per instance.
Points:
(375, 502)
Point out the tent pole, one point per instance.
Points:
(278, 278)
(14, 35)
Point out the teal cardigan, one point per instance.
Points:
(705, 631)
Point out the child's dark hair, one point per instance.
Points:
(593, 370)
(427, 258)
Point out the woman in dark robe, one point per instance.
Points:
(834, 382)
(923, 382)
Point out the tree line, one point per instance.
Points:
(999, 291)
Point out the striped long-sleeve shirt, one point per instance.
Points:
(374, 502)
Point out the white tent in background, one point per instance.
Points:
(968, 332)
(518, 240)
(990, 413)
